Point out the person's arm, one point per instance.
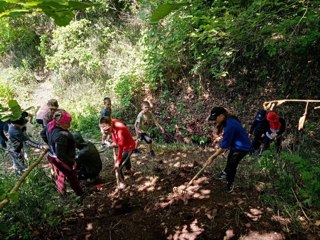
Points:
(30, 116)
(43, 135)
(156, 123)
(215, 155)
(137, 125)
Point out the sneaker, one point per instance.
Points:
(229, 188)
(221, 176)
(152, 154)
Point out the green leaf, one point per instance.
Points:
(3, 228)
(14, 197)
(164, 9)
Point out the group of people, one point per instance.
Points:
(85, 163)
(266, 127)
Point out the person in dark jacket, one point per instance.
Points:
(274, 133)
(62, 152)
(88, 159)
(4, 127)
(258, 128)
(235, 139)
(17, 137)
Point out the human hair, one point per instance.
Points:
(105, 120)
(53, 103)
(107, 99)
(145, 104)
(222, 125)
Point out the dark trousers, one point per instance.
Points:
(146, 138)
(234, 158)
(268, 141)
(257, 141)
(126, 159)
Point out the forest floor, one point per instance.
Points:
(147, 208)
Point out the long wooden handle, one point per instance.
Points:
(5, 201)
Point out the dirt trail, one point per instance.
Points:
(148, 209)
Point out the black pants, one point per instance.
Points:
(234, 158)
(146, 138)
(257, 141)
(268, 141)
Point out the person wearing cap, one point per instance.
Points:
(62, 152)
(46, 113)
(258, 128)
(88, 161)
(17, 137)
(277, 126)
(235, 139)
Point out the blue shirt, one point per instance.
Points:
(105, 113)
(235, 137)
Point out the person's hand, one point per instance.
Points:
(44, 147)
(114, 145)
(116, 166)
(162, 130)
(273, 135)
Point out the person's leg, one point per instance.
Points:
(148, 140)
(231, 167)
(70, 174)
(278, 143)
(17, 161)
(256, 142)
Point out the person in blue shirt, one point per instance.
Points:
(106, 111)
(235, 139)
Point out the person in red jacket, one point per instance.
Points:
(122, 137)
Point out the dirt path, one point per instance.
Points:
(148, 209)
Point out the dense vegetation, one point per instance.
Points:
(187, 55)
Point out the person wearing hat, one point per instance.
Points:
(88, 161)
(277, 126)
(17, 137)
(234, 138)
(258, 128)
(62, 152)
(45, 113)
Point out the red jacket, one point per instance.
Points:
(121, 135)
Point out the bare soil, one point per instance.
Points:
(147, 208)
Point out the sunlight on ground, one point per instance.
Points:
(186, 232)
(184, 193)
(254, 235)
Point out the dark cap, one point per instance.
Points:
(21, 121)
(215, 112)
(261, 115)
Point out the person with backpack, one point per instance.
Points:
(235, 139)
(258, 129)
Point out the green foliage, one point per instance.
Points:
(127, 87)
(6, 92)
(36, 205)
(292, 172)
(61, 11)
(164, 9)
(13, 111)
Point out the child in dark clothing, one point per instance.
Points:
(258, 129)
(88, 161)
(18, 136)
